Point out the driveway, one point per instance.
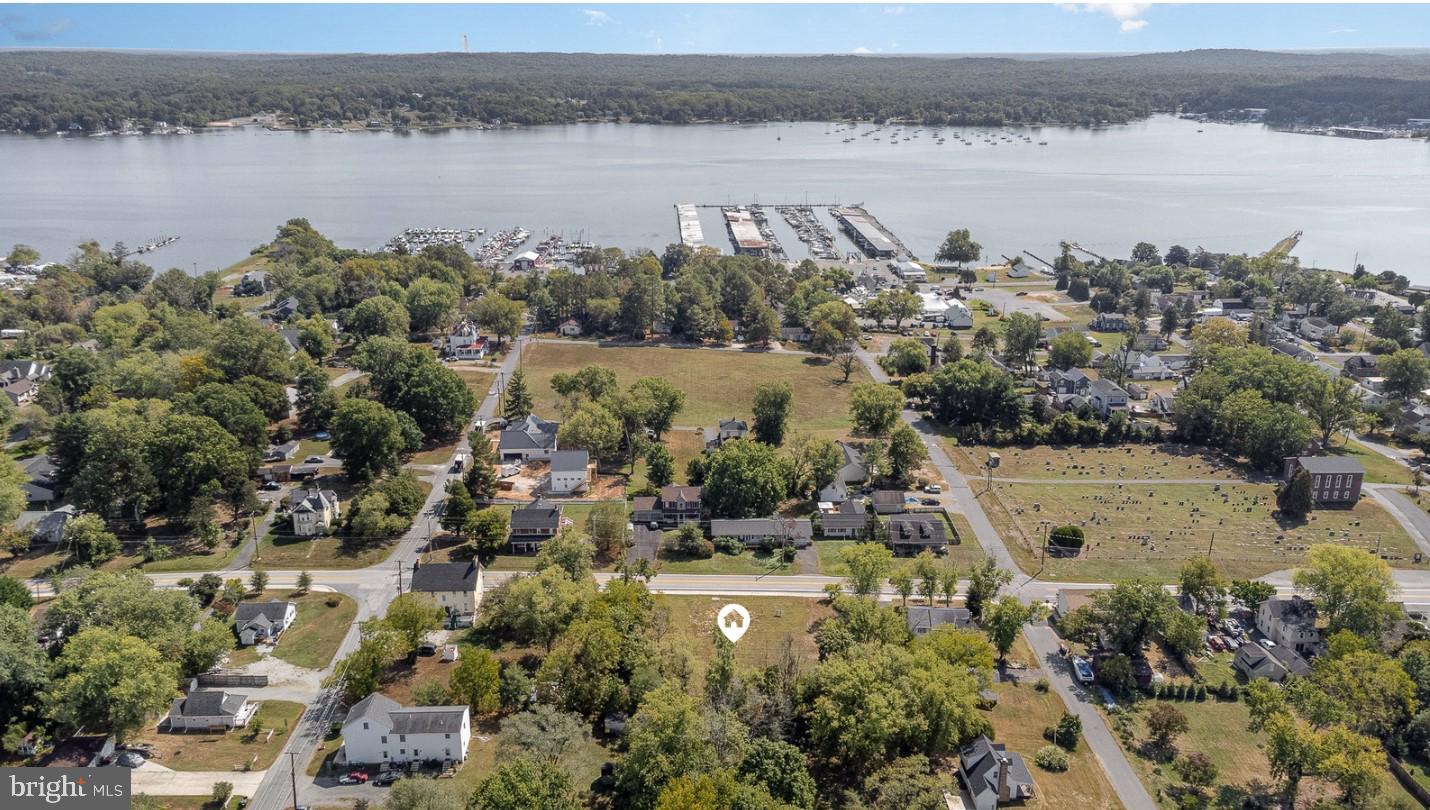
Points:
(1094, 729)
(645, 543)
(157, 780)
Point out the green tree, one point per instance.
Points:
(378, 316)
(1165, 723)
(984, 583)
(869, 564)
(1294, 497)
(1332, 403)
(1251, 593)
(780, 769)
(423, 793)
(1293, 750)
(489, 531)
(1373, 691)
(906, 451)
(369, 439)
(1070, 350)
(431, 304)
(316, 337)
(1021, 332)
(88, 540)
(774, 401)
(958, 246)
(660, 403)
(1406, 373)
(568, 551)
(660, 465)
(744, 479)
(1202, 581)
(524, 782)
(258, 583)
(1145, 253)
(592, 428)
(905, 356)
(976, 396)
(499, 314)
(536, 609)
(411, 617)
(476, 679)
(665, 740)
(875, 408)
(1003, 621)
(1352, 588)
(107, 680)
(517, 401)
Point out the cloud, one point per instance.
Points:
(19, 28)
(1128, 15)
(897, 11)
(1342, 31)
(862, 50)
(594, 17)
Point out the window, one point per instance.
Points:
(402, 751)
(446, 736)
(449, 752)
(364, 725)
(384, 753)
(384, 739)
(402, 738)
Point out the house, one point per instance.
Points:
(80, 751)
(912, 533)
(950, 312)
(1072, 381)
(1413, 421)
(1317, 328)
(1106, 397)
(32, 370)
(292, 338)
(456, 587)
(533, 523)
(532, 437)
(993, 774)
(1151, 367)
(923, 619)
(1149, 342)
(755, 531)
(1361, 366)
(286, 308)
(39, 486)
(1291, 623)
(262, 621)
(728, 429)
(1334, 480)
(1165, 403)
(1292, 350)
(1109, 322)
(569, 472)
(853, 471)
(849, 520)
(281, 452)
(210, 710)
(254, 282)
(380, 731)
(1255, 661)
(313, 511)
(678, 504)
(569, 328)
(888, 501)
(466, 342)
(21, 392)
(47, 528)
(795, 334)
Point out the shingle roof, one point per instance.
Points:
(272, 611)
(762, 527)
(979, 761)
(385, 711)
(532, 433)
(917, 528)
(537, 514)
(924, 619)
(678, 493)
(570, 461)
(1255, 662)
(1330, 464)
(452, 576)
(210, 703)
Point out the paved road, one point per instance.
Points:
(1094, 729)
(1405, 511)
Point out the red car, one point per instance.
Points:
(355, 778)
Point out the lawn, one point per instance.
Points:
(1018, 722)
(42, 563)
(966, 553)
(683, 444)
(746, 562)
(1378, 468)
(773, 619)
(1070, 463)
(1142, 530)
(192, 802)
(317, 631)
(477, 379)
(435, 455)
(239, 749)
(288, 552)
(1218, 729)
(717, 384)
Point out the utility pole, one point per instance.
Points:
(1211, 544)
(399, 577)
(293, 775)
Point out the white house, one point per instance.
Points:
(1290, 622)
(530, 438)
(569, 472)
(569, 328)
(263, 621)
(909, 271)
(313, 511)
(466, 342)
(456, 587)
(206, 709)
(949, 311)
(380, 731)
(1317, 328)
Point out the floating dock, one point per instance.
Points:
(745, 234)
(691, 234)
(866, 232)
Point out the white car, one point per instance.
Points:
(1082, 670)
(933, 489)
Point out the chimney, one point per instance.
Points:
(1003, 779)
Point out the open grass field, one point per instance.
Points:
(1018, 722)
(42, 563)
(717, 384)
(318, 630)
(684, 444)
(281, 552)
(202, 751)
(1149, 530)
(773, 619)
(1218, 729)
(746, 562)
(1378, 468)
(1071, 463)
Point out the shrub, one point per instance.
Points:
(332, 601)
(1201, 693)
(1068, 731)
(729, 545)
(788, 554)
(1042, 686)
(1051, 758)
(1068, 537)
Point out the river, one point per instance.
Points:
(1163, 180)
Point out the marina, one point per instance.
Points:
(501, 245)
(414, 239)
(745, 235)
(810, 230)
(688, 219)
(869, 234)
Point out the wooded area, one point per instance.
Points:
(47, 91)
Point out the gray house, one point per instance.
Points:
(263, 621)
(923, 619)
(993, 774)
(207, 709)
(753, 531)
(534, 523)
(913, 532)
(727, 429)
(532, 437)
(1106, 397)
(849, 520)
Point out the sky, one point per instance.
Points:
(701, 28)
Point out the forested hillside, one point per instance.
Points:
(45, 91)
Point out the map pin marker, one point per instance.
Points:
(733, 621)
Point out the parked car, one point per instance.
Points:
(129, 759)
(933, 489)
(322, 435)
(1232, 626)
(313, 460)
(1267, 643)
(1215, 643)
(384, 780)
(654, 525)
(354, 778)
(1082, 669)
(272, 486)
(929, 502)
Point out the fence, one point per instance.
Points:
(232, 679)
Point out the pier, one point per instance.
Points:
(691, 234)
(745, 234)
(868, 233)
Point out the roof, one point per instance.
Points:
(923, 619)
(675, 492)
(1330, 464)
(889, 496)
(312, 500)
(209, 703)
(272, 611)
(644, 503)
(762, 527)
(851, 515)
(452, 576)
(39, 468)
(570, 461)
(733, 424)
(532, 433)
(917, 528)
(980, 762)
(1255, 662)
(1291, 611)
(1106, 388)
(390, 714)
(535, 515)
